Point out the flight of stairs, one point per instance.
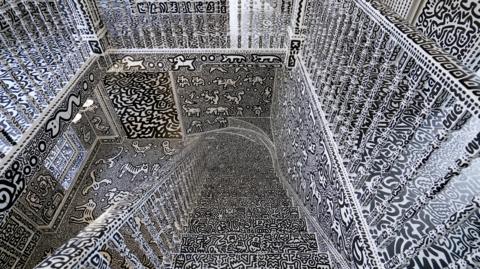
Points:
(243, 222)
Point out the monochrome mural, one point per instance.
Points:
(209, 97)
(144, 103)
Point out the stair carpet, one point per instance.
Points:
(247, 223)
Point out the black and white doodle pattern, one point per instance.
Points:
(210, 96)
(145, 104)
(454, 25)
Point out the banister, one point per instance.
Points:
(462, 82)
(83, 249)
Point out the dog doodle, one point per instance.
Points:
(198, 81)
(265, 58)
(234, 99)
(183, 81)
(53, 125)
(195, 126)
(139, 149)
(129, 63)
(95, 184)
(180, 61)
(217, 110)
(110, 161)
(227, 58)
(227, 82)
(192, 111)
(133, 170)
(213, 99)
(87, 214)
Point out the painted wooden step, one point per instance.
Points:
(236, 243)
(237, 192)
(244, 261)
(245, 202)
(246, 226)
(244, 187)
(246, 212)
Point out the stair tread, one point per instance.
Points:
(245, 202)
(246, 212)
(270, 261)
(247, 225)
(248, 243)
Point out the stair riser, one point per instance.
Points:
(247, 226)
(248, 213)
(248, 243)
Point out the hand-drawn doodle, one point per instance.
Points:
(95, 185)
(130, 63)
(53, 125)
(217, 110)
(212, 99)
(218, 69)
(223, 122)
(233, 58)
(97, 124)
(183, 81)
(179, 61)
(226, 82)
(192, 111)
(87, 213)
(167, 150)
(110, 162)
(254, 80)
(195, 126)
(133, 170)
(198, 81)
(141, 149)
(265, 58)
(234, 99)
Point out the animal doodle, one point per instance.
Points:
(257, 110)
(233, 58)
(217, 110)
(87, 213)
(141, 149)
(192, 111)
(265, 58)
(97, 123)
(195, 125)
(234, 99)
(179, 61)
(167, 150)
(213, 99)
(110, 161)
(254, 80)
(152, 113)
(133, 170)
(226, 82)
(198, 81)
(113, 196)
(218, 69)
(95, 185)
(223, 122)
(53, 125)
(130, 63)
(183, 81)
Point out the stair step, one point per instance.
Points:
(247, 226)
(245, 202)
(263, 261)
(248, 243)
(237, 192)
(246, 212)
(245, 187)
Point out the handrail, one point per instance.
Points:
(167, 195)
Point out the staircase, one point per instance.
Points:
(247, 222)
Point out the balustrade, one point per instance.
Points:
(392, 106)
(154, 212)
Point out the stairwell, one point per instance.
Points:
(246, 220)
